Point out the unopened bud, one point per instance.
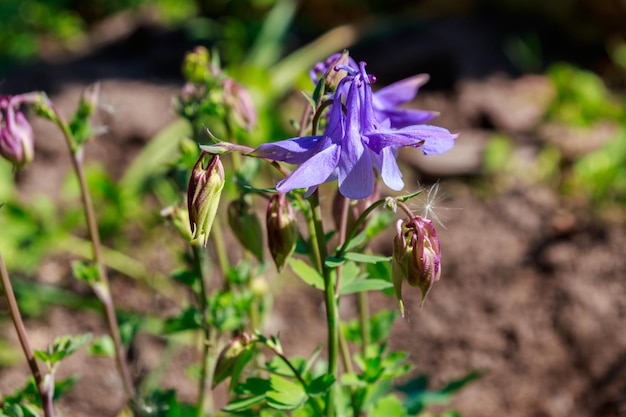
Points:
(238, 101)
(246, 226)
(229, 355)
(282, 230)
(203, 196)
(197, 66)
(416, 257)
(89, 99)
(326, 69)
(17, 143)
(179, 217)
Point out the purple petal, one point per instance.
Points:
(356, 176)
(399, 92)
(316, 170)
(389, 170)
(432, 139)
(292, 151)
(399, 118)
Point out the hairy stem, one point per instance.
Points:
(16, 317)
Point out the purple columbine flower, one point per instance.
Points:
(354, 144)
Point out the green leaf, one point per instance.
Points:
(85, 271)
(242, 404)
(332, 262)
(285, 394)
(61, 348)
(102, 346)
(389, 406)
(186, 277)
(361, 285)
(250, 393)
(189, 319)
(365, 258)
(320, 385)
(307, 273)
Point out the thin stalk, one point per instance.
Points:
(343, 225)
(362, 302)
(202, 268)
(92, 227)
(16, 317)
(317, 235)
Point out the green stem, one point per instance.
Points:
(103, 292)
(317, 236)
(364, 318)
(16, 317)
(202, 269)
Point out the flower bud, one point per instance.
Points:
(179, 217)
(238, 101)
(416, 256)
(197, 66)
(89, 99)
(246, 226)
(229, 355)
(282, 230)
(326, 69)
(203, 196)
(17, 142)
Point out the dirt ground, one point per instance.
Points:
(532, 289)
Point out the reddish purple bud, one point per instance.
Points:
(203, 196)
(238, 101)
(17, 142)
(282, 230)
(416, 256)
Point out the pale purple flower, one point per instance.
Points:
(355, 143)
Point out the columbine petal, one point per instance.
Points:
(399, 118)
(399, 92)
(292, 151)
(389, 170)
(356, 176)
(431, 139)
(316, 170)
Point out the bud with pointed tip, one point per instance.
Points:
(282, 230)
(17, 143)
(203, 196)
(246, 226)
(416, 256)
(239, 102)
(229, 355)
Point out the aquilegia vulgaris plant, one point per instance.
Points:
(346, 147)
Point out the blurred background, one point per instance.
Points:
(532, 198)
